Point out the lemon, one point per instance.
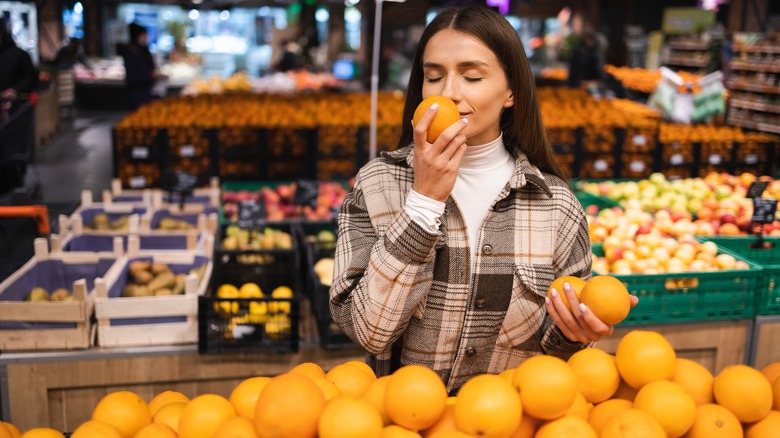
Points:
(250, 290)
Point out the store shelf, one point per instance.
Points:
(688, 45)
(747, 66)
(758, 48)
(687, 62)
(766, 107)
(749, 86)
(766, 127)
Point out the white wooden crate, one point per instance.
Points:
(157, 198)
(28, 325)
(126, 321)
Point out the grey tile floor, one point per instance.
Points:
(78, 157)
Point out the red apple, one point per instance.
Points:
(728, 218)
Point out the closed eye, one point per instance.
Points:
(472, 79)
(433, 80)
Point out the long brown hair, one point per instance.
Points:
(521, 123)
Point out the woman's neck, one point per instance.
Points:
(489, 156)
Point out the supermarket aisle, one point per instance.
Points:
(77, 158)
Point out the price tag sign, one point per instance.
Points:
(715, 159)
(764, 210)
(756, 189)
(600, 165)
(637, 166)
(306, 192)
(676, 159)
(187, 151)
(640, 140)
(251, 214)
(137, 182)
(751, 159)
(181, 183)
(140, 152)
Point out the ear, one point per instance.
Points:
(510, 100)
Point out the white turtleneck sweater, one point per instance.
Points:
(483, 173)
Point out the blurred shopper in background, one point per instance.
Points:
(18, 75)
(140, 71)
(585, 62)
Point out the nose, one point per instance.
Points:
(451, 89)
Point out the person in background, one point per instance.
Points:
(70, 54)
(585, 62)
(140, 71)
(446, 250)
(290, 59)
(18, 75)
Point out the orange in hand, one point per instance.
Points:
(446, 115)
(575, 282)
(607, 297)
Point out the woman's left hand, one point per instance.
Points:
(579, 324)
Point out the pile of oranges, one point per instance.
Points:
(645, 81)
(644, 390)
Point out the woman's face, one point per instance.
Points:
(461, 67)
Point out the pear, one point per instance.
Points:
(37, 294)
(60, 294)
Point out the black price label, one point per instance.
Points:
(756, 189)
(251, 214)
(764, 210)
(306, 192)
(181, 183)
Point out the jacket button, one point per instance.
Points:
(471, 351)
(487, 249)
(481, 303)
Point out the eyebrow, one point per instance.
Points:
(460, 64)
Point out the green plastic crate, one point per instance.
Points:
(587, 199)
(692, 296)
(768, 259)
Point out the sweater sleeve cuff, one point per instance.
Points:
(425, 211)
(406, 240)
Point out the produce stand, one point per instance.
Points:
(766, 338)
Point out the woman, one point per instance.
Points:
(140, 73)
(446, 250)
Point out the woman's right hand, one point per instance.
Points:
(436, 164)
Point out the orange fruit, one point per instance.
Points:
(245, 394)
(644, 356)
(375, 395)
(203, 415)
(568, 425)
(237, 427)
(450, 434)
(13, 430)
(547, 386)
(766, 428)
(43, 432)
(5, 432)
(527, 429)
(771, 371)
(349, 379)
(668, 403)
(714, 421)
(744, 391)
(396, 431)
(309, 369)
(508, 374)
(607, 297)
(289, 406)
(776, 395)
(602, 412)
(625, 392)
(597, 374)
(96, 429)
(488, 406)
(170, 415)
(446, 421)
(446, 115)
(164, 398)
(363, 367)
(349, 417)
(632, 423)
(329, 390)
(695, 379)
(415, 397)
(580, 408)
(124, 410)
(576, 282)
(155, 430)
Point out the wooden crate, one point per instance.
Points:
(50, 325)
(144, 321)
(715, 344)
(766, 338)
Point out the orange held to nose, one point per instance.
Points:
(446, 115)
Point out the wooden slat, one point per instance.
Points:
(767, 342)
(51, 311)
(147, 334)
(50, 339)
(169, 305)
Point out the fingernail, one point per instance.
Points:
(433, 107)
(554, 293)
(583, 308)
(465, 120)
(547, 300)
(566, 287)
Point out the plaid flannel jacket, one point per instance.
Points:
(407, 296)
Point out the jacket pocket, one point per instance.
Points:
(525, 313)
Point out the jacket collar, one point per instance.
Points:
(524, 173)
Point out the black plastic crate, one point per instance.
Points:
(237, 325)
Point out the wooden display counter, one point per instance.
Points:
(714, 344)
(61, 389)
(766, 339)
